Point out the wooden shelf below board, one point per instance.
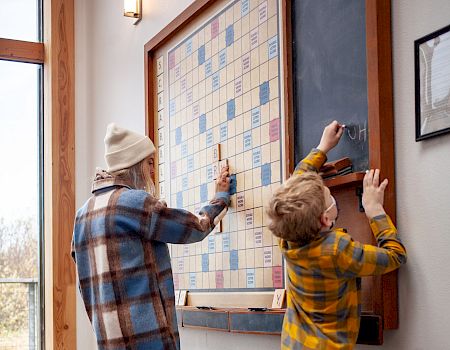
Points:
(345, 180)
(241, 320)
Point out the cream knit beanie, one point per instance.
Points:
(124, 148)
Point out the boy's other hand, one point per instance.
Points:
(331, 136)
(223, 180)
(373, 195)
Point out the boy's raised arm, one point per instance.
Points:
(317, 157)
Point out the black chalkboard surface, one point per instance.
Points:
(330, 76)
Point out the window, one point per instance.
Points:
(19, 19)
(21, 177)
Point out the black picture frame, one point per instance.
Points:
(432, 76)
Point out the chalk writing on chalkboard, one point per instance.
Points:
(356, 133)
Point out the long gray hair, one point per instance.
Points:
(137, 177)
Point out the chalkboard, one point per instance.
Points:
(206, 319)
(330, 76)
(256, 322)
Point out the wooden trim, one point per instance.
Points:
(21, 51)
(190, 13)
(59, 169)
(381, 124)
(286, 6)
(345, 180)
(230, 299)
(148, 94)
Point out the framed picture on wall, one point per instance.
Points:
(432, 84)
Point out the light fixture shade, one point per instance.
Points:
(133, 8)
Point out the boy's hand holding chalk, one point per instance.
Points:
(331, 136)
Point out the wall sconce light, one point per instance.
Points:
(133, 8)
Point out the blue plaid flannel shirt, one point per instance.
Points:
(123, 264)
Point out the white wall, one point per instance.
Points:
(110, 87)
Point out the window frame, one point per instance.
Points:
(55, 54)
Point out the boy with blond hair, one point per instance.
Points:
(324, 264)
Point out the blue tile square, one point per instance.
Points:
(179, 199)
(203, 192)
(256, 157)
(264, 93)
(201, 55)
(202, 123)
(256, 117)
(273, 47)
(184, 149)
(245, 7)
(184, 183)
(190, 163)
(208, 68)
(192, 280)
(178, 135)
(143, 318)
(233, 184)
(250, 278)
(215, 81)
(234, 260)
(205, 262)
(209, 172)
(229, 35)
(231, 109)
(222, 58)
(188, 47)
(172, 107)
(226, 242)
(189, 97)
(247, 140)
(211, 244)
(266, 174)
(223, 131)
(209, 138)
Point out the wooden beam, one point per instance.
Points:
(21, 51)
(286, 13)
(59, 169)
(381, 124)
(191, 12)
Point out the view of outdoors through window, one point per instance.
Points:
(20, 209)
(24, 29)
(19, 205)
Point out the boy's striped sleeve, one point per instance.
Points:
(354, 259)
(312, 162)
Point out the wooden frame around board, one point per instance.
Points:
(384, 301)
(197, 11)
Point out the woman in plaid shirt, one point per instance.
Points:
(120, 247)
(324, 264)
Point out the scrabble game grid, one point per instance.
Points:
(223, 88)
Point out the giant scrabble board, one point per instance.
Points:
(219, 96)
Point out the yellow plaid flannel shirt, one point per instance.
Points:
(324, 279)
